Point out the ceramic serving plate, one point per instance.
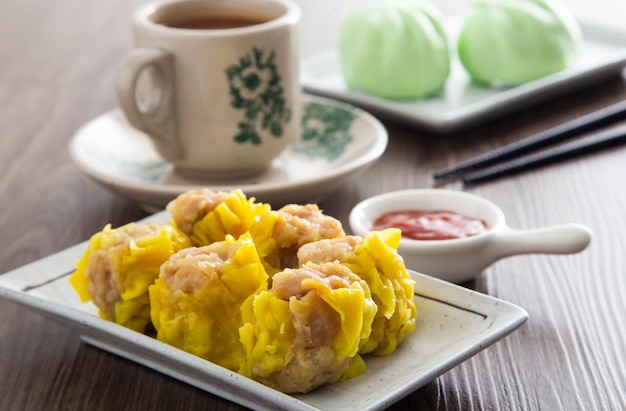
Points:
(464, 104)
(454, 323)
(337, 142)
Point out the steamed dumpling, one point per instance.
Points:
(375, 260)
(306, 330)
(196, 301)
(279, 234)
(207, 216)
(120, 264)
(510, 42)
(395, 51)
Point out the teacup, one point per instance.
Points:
(461, 259)
(214, 84)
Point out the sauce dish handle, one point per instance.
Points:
(558, 239)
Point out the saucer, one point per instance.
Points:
(337, 142)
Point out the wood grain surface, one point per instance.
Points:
(58, 61)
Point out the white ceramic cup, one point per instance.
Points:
(216, 102)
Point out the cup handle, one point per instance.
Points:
(156, 116)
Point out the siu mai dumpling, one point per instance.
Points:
(374, 258)
(120, 264)
(208, 216)
(196, 301)
(306, 331)
(279, 234)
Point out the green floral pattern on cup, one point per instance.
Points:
(325, 131)
(255, 88)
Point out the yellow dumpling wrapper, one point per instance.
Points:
(299, 343)
(196, 301)
(356, 310)
(120, 264)
(375, 259)
(230, 213)
(377, 262)
(279, 234)
(263, 235)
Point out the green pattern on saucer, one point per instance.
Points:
(149, 171)
(325, 131)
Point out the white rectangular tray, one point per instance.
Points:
(454, 323)
(463, 104)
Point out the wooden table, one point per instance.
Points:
(56, 73)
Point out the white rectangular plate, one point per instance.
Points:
(463, 104)
(454, 323)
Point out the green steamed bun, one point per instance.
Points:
(510, 42)
(395, 51)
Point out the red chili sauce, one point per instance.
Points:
(430, 225)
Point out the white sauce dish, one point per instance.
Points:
(460, 259)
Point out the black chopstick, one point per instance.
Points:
(537, 141)
(588, 144)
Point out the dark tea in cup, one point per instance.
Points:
(215, 22)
